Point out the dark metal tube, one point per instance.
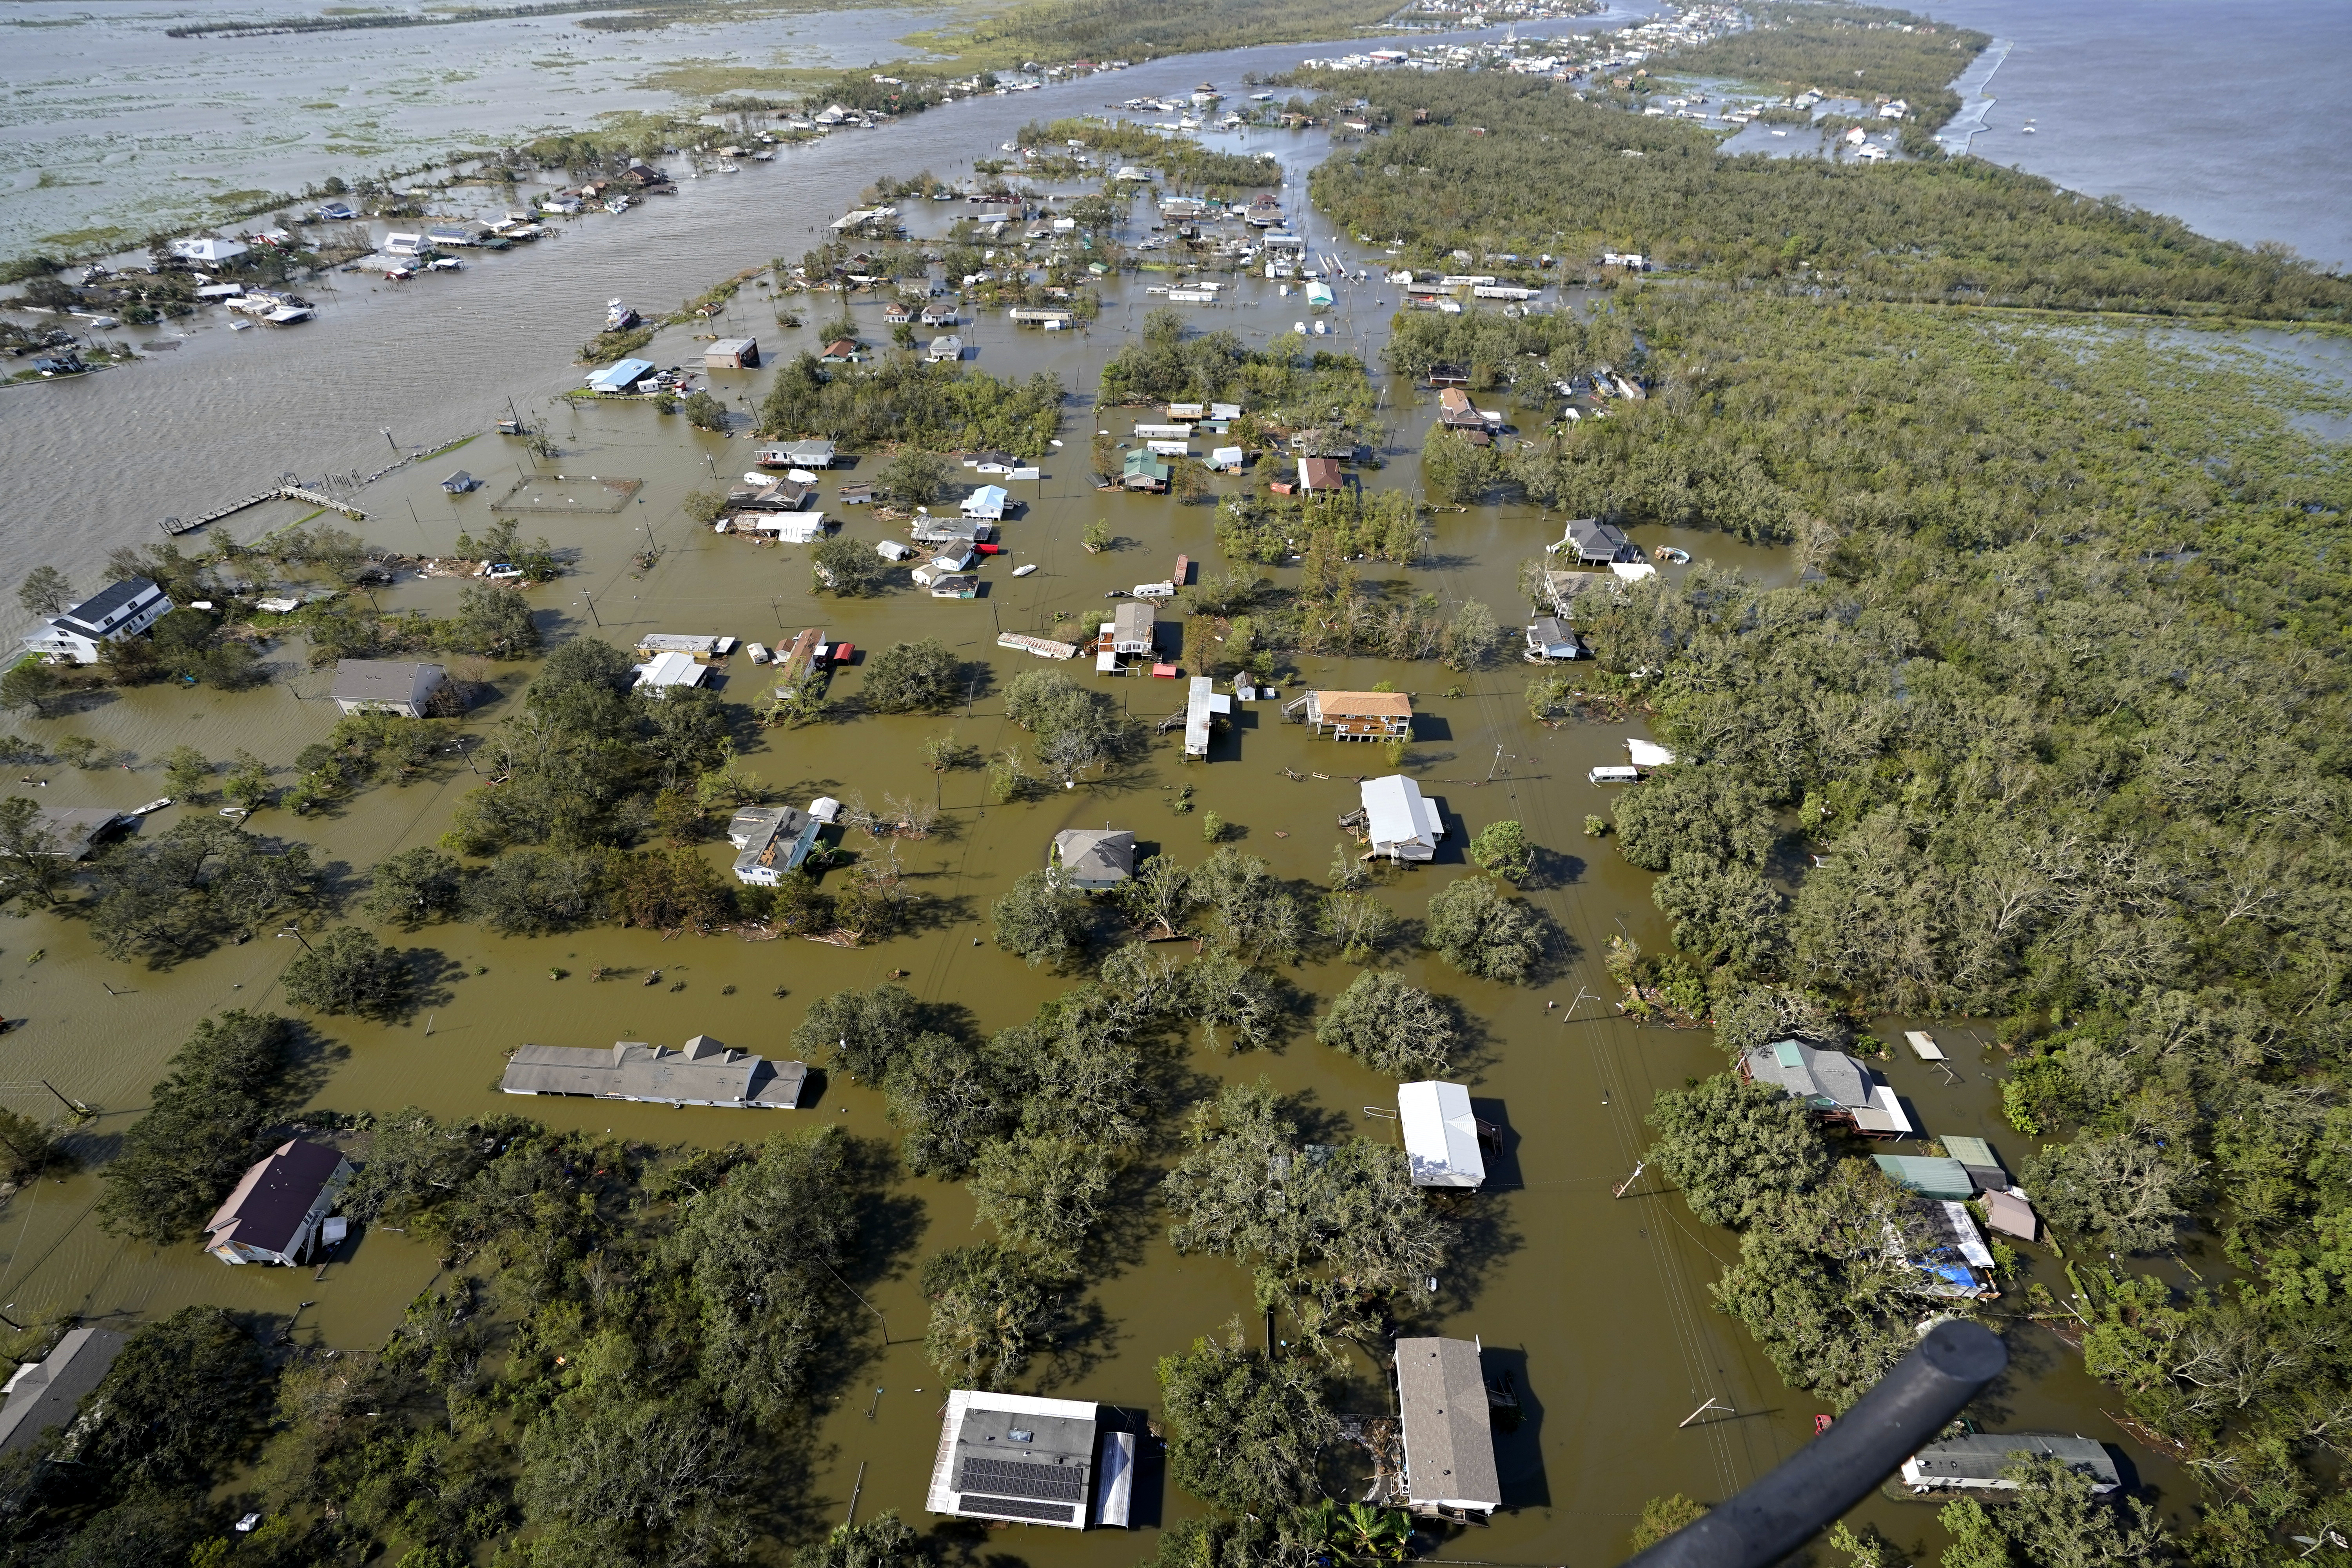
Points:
(1829, 1474)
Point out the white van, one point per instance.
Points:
(1613, 775)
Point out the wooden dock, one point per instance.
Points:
(176, 526)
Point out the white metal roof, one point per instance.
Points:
(1648, 754)
(1441, 1135)
(1399, 818)
(669, 669)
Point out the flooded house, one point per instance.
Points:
(1398, 822)
(667, 673)
(1448, 1440)
(731, 353)
(278, 1207)
(1442, 1136)
(931, 529)
(1837, 1087)
(1092, 860)
(1203, 705)
(1596, 543)
(703, 1071)
(1131, 633)
(771, 841)
(1022, 1459)
(1144, 471)
(48, 1393)
(388, 686)
(1550, 639)
(1976, 1461)
(621, 378)
(73, 831)
(813, 454)
(988, 503)
(120, 609)
(945, 349)
(1320, 474)
(1356, 715)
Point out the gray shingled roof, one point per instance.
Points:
(1449, 1449)
(702, 1072)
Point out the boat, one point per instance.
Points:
(1670, 553)
(1024, 571)
(618, 318)
(151, 806)
(730, 168)
(2028, 130)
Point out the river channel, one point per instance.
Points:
(1597, 1303)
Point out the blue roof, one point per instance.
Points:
(625, 372)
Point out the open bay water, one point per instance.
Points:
(2226, 114)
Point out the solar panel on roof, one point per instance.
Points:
(1066, 1483)
(1019, 1508)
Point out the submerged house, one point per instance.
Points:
(1441, 1134)
(1022, 1459)
(388, 686)
(702, 1072)
(773, 840)
(1596, 543)
(1095, 859)
(274, 1212)
(1449, 1446)
(46, 1392)
(69, 831)
(1204, 704)
(1975, 1461)
(119, 610)
(1399, 820)
(1837, 1087)
(1144, 471)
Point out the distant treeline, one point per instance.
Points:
(410, 18)
(1843, 51)
(1509, 164)
(1184, 163)
(1130, 29)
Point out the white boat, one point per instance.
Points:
(152, 806)
(730, 168)
(1024, 571)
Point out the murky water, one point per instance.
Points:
(1603, 1299)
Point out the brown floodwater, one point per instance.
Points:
(1598, 1304)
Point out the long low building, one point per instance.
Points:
(1449, 1446)
(1975, 1461)
(701, 1072)
(1028, 1460)
(1441, 1134)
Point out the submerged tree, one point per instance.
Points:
(1390, 1026)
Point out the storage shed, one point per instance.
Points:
(732, 353)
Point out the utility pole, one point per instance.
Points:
(1619, 1191)
(1712, 1403)
(305, 941)
(591, 609)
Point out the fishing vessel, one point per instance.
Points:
(618, 318)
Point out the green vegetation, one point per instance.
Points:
(1390, 1026)
(1076, 727)
(1480, 930)
(1280, 387)
(1845, 50)
(1502, 848)
(1183, 162)
(182, 893)
(202, 1128)
(1042, 919)
(1548, 176)
(1737, 1150)
(903, 401)
(1132, 29)
(347, 970)
(911, 676)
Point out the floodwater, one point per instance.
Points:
(1597, 1304)
(110, 125)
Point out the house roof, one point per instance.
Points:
(1927, 1174)
(778, 844)
(1364, 704)
(1449, 1451)
(92, 612)
(1133, 621)
(1974, 1153)
(1141, 460)
(1396, 812)
(74, 828)
(1982, 1455)
(1319, 473)
(273, 1197)
(1015, 1457)
(1817, 1075)
(840, 348)
(703, 1071)
(669, 669)
(1441, 1134)
(1096, 855)
(45, 1394)
(381, 679)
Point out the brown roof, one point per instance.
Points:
(1319, 473)
(1454, 400)
(1364, 704)
(841, 348)
(269, 1203)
